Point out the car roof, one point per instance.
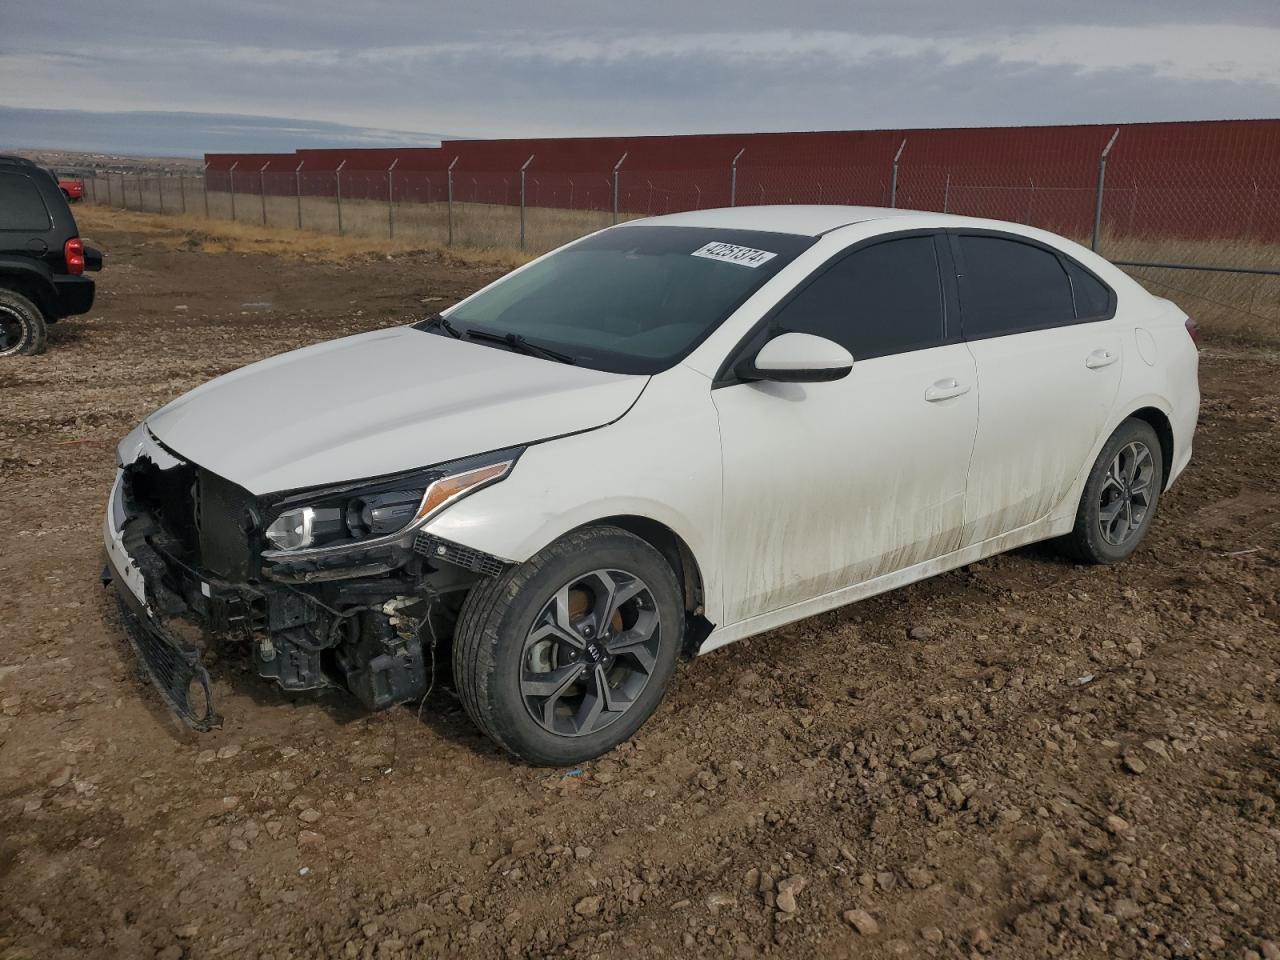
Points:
(815, 220)
(810, 220)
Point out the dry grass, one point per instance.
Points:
(1233, 306)
(1229, 306)
(224, 236)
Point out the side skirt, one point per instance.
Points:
(1043, 529)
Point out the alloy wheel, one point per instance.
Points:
(590, 653)
(1126, 494)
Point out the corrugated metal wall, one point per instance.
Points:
(1211, 178)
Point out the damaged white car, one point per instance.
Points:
(659, 439)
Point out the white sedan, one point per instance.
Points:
(657, 440)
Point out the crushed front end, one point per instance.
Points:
(332, 588)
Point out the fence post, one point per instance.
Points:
(946, 193)
(1253, 209)
(204, 185)
(1097, 203)
(616, 167)
(142, 203)
(522, 178)
(391, 208)
(262, 190)
(110, 202)
(160, 190)
(231, 185)
(732, 178)
(182, 190)
(893, 184)
(337, 178)
(449, 197)
(93, 188)
(297, 188)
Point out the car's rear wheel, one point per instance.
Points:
(1120, 496)
(22, 326)
(565, 656)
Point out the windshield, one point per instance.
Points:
(631, 299)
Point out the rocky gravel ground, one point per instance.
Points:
(1023, 758)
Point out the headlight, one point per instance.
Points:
(368, 514)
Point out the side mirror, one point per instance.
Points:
(799, 358)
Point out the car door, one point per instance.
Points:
(830, 484)
(1049, 362)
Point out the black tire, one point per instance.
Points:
(1097, 537)
(22, 326)
(491, 648)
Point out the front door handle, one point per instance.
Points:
(1100, 358)
(945, 390)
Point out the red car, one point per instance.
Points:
(72, 189)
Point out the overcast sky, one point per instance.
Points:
(553, 67)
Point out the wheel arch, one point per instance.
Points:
(1159, 421)
(682, 561)
(30, 281)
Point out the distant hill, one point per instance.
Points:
(160, 134)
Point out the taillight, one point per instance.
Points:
(1193, 329)
(73, 250)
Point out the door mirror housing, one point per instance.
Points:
(799, 358)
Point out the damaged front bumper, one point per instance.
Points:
(186, 574)
(171, 665)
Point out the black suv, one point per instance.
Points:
(42, 259)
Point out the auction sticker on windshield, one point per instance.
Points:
(732, 253)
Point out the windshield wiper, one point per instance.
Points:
(518, 343)
(441, 321)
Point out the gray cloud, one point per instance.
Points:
(559, 67)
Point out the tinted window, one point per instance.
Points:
(1092, 298)
(1008, 287)
(877, 301)
(631, 299)
(21, 207)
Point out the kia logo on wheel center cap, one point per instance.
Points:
(594, 653)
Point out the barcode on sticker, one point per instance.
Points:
(732, 253)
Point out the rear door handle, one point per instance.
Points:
(1100, 358)
(945, 390)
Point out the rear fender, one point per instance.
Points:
(32, 279)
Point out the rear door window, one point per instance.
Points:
(1007, 286)
(21, 206)
(879, 300)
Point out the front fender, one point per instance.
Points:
(661, 462)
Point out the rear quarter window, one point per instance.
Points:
(21, 206)
(1092, 296)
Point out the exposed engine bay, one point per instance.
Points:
(364, 619)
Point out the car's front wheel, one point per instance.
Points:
(22, 327)
(1120, 496)
(565, 656)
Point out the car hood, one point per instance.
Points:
(381, 403)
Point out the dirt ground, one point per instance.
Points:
(1023, 758)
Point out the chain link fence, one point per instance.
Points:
(1215, 241)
